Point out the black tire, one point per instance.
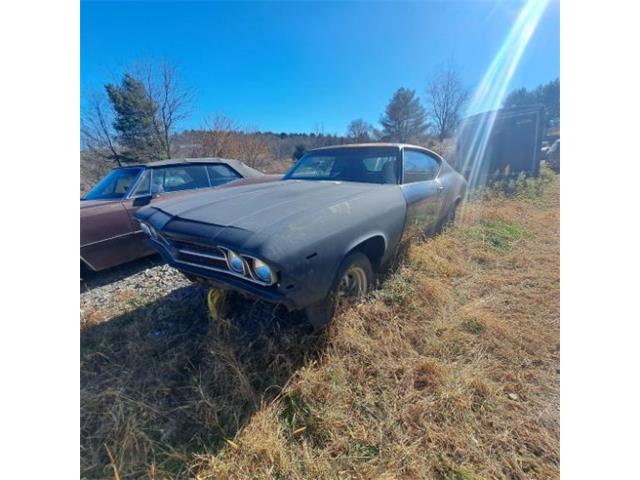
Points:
(449, 218)
(356, 266)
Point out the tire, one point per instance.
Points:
(354, 279)
(449, 218)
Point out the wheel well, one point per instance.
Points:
(373, 248)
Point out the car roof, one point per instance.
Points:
(179, 161)
(237, 165)
(374, 145)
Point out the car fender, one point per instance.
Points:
(367, 236)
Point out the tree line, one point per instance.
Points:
(547, 95)
(137, 120)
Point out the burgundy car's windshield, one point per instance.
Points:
(115, 185)
(348, 164)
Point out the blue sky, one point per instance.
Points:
(300, 65)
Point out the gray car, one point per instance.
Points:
(336, 218)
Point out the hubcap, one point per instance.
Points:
(353, 284)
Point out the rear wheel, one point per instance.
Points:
(353, 280)
(449, 218)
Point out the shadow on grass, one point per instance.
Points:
(163, 382)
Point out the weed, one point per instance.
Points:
(473, 326)
(457, 473)
(500, 235)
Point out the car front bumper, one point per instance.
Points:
(288, 295)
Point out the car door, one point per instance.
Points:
(422, 190)
(139, 197)
(105, 227)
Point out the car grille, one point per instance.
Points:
(209, 257)
(194, 253)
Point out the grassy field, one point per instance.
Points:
(449, 371)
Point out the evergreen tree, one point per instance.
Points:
(135, 119)
(404, 119)
(547, 95)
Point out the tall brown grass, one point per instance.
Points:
(450, 370)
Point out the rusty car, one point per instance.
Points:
(319, 234)
(110, 236)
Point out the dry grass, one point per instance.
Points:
(449, 371)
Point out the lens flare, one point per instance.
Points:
(492, 89)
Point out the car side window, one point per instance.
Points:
(173, 179)
(221, 174)
(144, 185)
(123, 184)
(419, 167)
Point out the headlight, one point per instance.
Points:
(235, 262)
(263, 271)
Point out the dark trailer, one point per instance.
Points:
(514, 140)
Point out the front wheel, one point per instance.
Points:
(353, 280)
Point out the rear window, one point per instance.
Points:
(221, 174)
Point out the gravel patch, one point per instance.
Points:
(106, 300)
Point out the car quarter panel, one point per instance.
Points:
(454, 185)
(428, 201)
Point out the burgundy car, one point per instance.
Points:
(110, 236)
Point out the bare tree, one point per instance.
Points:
(278, 147)
(359, 130)
(319, 137)
(109, 123)
(173, 101)
(220, 137)
(253, 148)
(96, 130)
(446, 96)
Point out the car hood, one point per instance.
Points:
(258, 207)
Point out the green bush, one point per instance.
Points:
(521, 185)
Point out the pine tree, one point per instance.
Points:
(404, 119)
(135, 119)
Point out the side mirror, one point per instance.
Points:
(142, 200)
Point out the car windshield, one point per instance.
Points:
(115, 185)
(348, 164)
